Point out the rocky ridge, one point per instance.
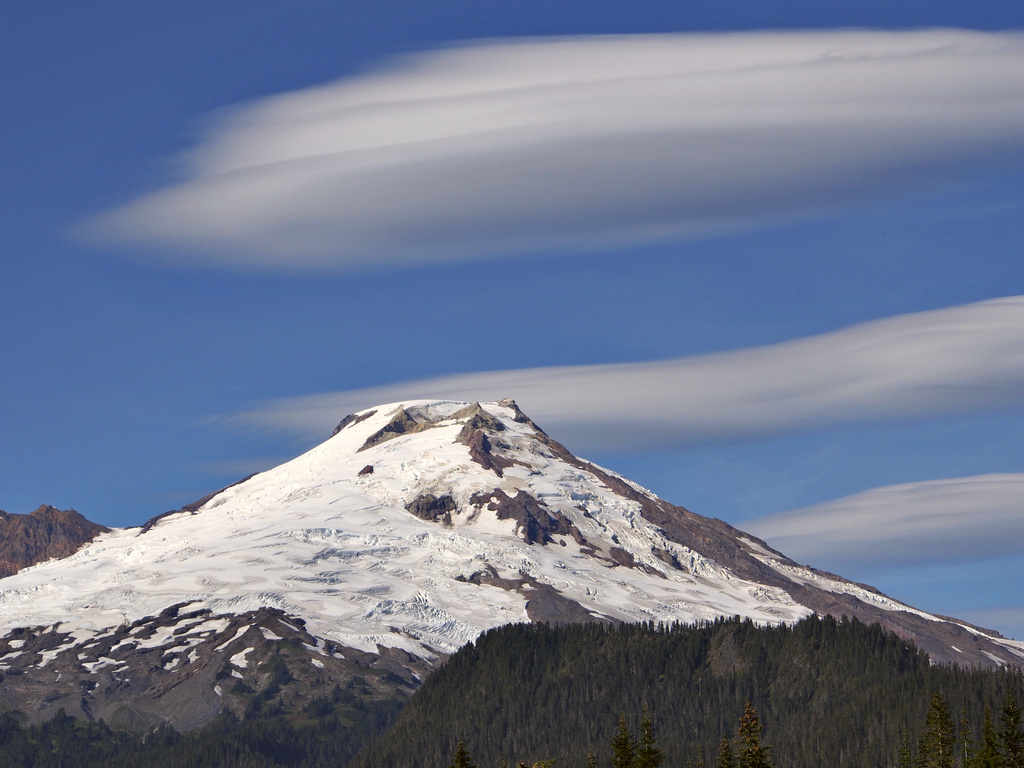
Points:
(46, 533)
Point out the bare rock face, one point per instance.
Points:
(536, 523)
(42, 535)
(544, 602)
(401, 423)
(433, 508)
(480, 450)
(351, 420)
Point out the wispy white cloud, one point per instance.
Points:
(937, 522)
(567, 143)
(958, 360)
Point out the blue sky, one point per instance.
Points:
(175, 314)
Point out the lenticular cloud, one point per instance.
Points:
(569, 143)
(940, 521)
(960, 360)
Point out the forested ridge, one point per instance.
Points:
(822, 692)
(828, 692)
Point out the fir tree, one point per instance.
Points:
(906, 756)
(648, 755)
(964, 739)
(725, 759)
(461, 758)
(751, 753)
(623, 746)
(937, 743)
(1011, 737)
(591, 758)
(988, 753)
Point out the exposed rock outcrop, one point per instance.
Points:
(352, 420)
(432, 508)
(42, 535)
(478, 423)
(544, 602)
(536, 522)
(480, 450)
(401, 423)
(475, 417)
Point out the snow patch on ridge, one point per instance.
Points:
(802, 575)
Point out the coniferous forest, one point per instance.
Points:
(729, 694)
(826, 692)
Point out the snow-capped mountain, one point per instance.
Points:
(415, 527)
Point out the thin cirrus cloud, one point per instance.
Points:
(943, 522)
(959, 360)
(571, 143)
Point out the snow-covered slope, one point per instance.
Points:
(419, 525)
(318, 540)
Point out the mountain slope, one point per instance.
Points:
(412, 529)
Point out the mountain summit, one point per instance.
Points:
(414, 528)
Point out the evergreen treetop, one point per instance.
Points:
(648, 755)
(623, 746)
(937, 743)
(725, 758)
(461, 758)
(1011, 736)
(751, 753)
(988, 755)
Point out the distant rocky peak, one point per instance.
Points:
(42, 535)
